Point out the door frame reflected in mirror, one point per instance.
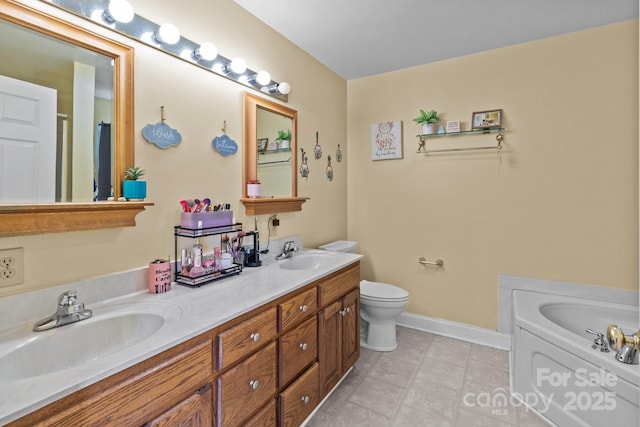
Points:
(265, 205)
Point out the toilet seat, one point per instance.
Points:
(377, 291)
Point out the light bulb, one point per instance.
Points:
(238, 66)
(119, 11)
(168, 34)
(206, 51)
(263, 78)
(284, 88)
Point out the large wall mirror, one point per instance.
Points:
(66, 125)
(268, 159)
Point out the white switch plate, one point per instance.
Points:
(11, 267)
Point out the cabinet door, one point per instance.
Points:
(196, 411)
(330, 346)
(298, 348)
(299, 399)
(246, 387)
(350, 329)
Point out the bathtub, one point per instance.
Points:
(555, 370)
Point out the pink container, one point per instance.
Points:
(159, 276)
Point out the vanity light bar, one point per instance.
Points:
(141, 29)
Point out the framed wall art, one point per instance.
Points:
(262, 143)
(386, 140)
(486, 119)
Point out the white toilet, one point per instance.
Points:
(380, 305)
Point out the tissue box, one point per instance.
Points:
(196, 220)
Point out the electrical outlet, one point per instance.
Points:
(11, 266)
(275, 222)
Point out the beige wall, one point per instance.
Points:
(559, 202)
(197, 103)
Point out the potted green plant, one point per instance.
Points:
(284, 138)
(427, 119)
(132, 187)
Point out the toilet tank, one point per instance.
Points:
(341, 246)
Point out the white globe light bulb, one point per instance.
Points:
(263, 78)
(207, 51)
(168, 33)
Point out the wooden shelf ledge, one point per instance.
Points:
(43, 218)
(266, 205)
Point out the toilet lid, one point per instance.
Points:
(382, 291)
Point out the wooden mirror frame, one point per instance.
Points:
(37, 218)
(265, 205)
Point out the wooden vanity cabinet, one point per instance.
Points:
(268, 367)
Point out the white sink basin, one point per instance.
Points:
(308, 260)
(26, 354)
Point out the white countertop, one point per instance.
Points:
(202, 309)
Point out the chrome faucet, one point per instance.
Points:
(69, 311)
(288, 250)
(627, 345)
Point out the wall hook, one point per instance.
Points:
(224, 128)
(162, 118)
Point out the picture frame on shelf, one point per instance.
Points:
(263, 143)
(486, 119)
(453, 126)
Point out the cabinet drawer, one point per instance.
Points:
(297, 308)
(340, 284)
(300, 398)
(265, 418)
(298, 348)
(242, 339)
(246, 387)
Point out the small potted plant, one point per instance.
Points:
(284, 138)
(132, 187)
(428, 121)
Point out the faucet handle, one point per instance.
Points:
(68, 298)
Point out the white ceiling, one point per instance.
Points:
(357, 38)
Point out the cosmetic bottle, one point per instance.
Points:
(197, 269)
(216, 259)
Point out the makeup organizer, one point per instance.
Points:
(206, 230)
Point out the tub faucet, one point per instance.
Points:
(288, 250)
(627, 345)
(69, 311)
(599, 343)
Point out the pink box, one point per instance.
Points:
(196, 220)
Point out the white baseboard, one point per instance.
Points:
(456, 330)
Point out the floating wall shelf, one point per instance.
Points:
(422, 148)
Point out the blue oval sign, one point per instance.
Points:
(224, 145)
(162, 135)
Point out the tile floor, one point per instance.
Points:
(429, 380)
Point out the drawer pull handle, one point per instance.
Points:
(303, 346)
(254, 384)
(303, 308)
(305, 399)
(255, 337)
